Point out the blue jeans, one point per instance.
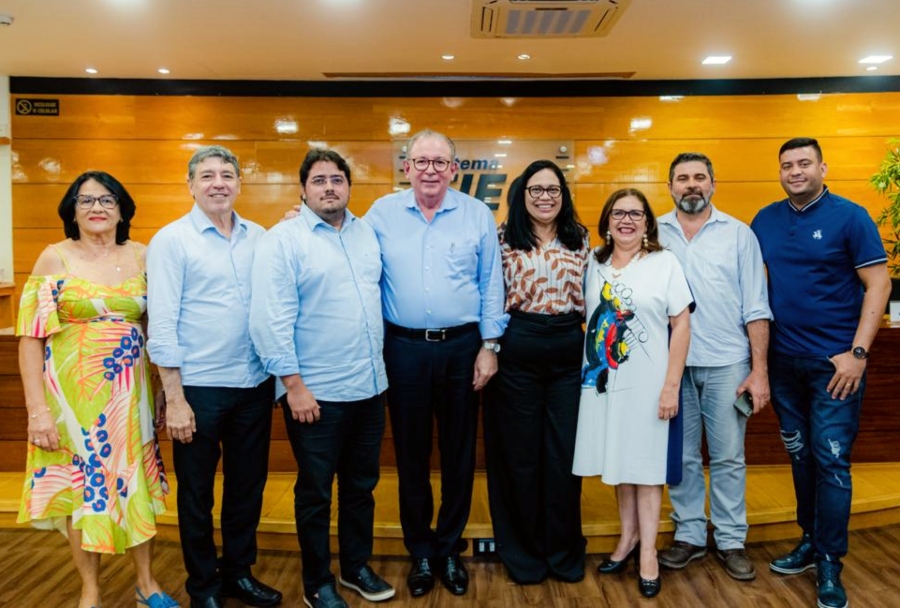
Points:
(708, 395)
(818, 433)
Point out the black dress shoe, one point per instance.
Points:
(454, 575)
(207, 602)
(420, 579)
(649, 587)
(611, 566)
(251, 592)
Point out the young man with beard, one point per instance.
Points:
(729, 342)
(316, 322)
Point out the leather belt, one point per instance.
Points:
(431, 335)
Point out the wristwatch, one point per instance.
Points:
(494, 347)
(860, 353)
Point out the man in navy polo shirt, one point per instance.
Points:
(828, 287)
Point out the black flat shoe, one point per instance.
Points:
(649, 587)
(611, 566)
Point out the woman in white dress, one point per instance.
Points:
(637, 304)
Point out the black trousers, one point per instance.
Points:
(345, 441)
(234, 424)
(531, 411)
(430, 381)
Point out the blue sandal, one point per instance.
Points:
(157, 600)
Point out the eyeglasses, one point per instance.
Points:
(86, 201)
(635, 214)
(440, 164)
(335, 180)
(538, 191)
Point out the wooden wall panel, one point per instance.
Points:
(60, 161)
(734, 160)
(228, 119)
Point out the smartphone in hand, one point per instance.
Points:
(744, 404)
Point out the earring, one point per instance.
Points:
(644, 240)
(608, 237)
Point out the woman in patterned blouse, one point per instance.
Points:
(532, 406)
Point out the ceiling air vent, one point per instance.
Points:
(545, 18)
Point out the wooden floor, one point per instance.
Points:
(37, 572)
(35, 568)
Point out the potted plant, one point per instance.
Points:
(887, 182)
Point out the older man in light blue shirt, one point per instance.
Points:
(316, 321)
(219, 397)
(443, 304)
(729, 343)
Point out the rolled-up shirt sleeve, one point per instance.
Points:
(754, 292)
(490, 283)
(165, 284)
(274, 305)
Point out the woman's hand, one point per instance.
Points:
(42, 431)
(668, 404)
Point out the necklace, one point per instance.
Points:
(616, 273)
(104, 255)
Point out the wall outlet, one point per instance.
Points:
(483, 546)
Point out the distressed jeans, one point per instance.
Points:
(708, 395)
(818, 433)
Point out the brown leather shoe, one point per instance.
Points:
(737, 564)
(680, 555)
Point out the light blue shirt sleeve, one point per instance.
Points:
(493, 297)
(165, 284)
(274, 306)
(752, 275)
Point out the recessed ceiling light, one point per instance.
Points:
(163, 70)
(717, 59)
(524, 57)
(876, 58)
(504, 142)
(90, 70)
(448, 57)
(871, 68)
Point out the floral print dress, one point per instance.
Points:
(107, 474)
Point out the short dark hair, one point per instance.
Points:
(519, 232)
(689, 157)
(604, 252)
(127, 207)
(801, 142)
(316, 155)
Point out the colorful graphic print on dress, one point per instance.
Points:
(610, 336)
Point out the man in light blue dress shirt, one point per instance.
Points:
(219, 397)
(316, 321)
(729, 343)
(442, 291)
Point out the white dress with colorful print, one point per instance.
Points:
(620, 435)
(107, 474)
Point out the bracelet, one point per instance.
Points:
(33, 416)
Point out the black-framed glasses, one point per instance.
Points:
(421, 164)
(538, 191)
(635, 214)
(86, 201)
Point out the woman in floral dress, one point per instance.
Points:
(93, 470)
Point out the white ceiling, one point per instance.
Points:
(304, 39)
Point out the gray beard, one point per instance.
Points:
(693, 207)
